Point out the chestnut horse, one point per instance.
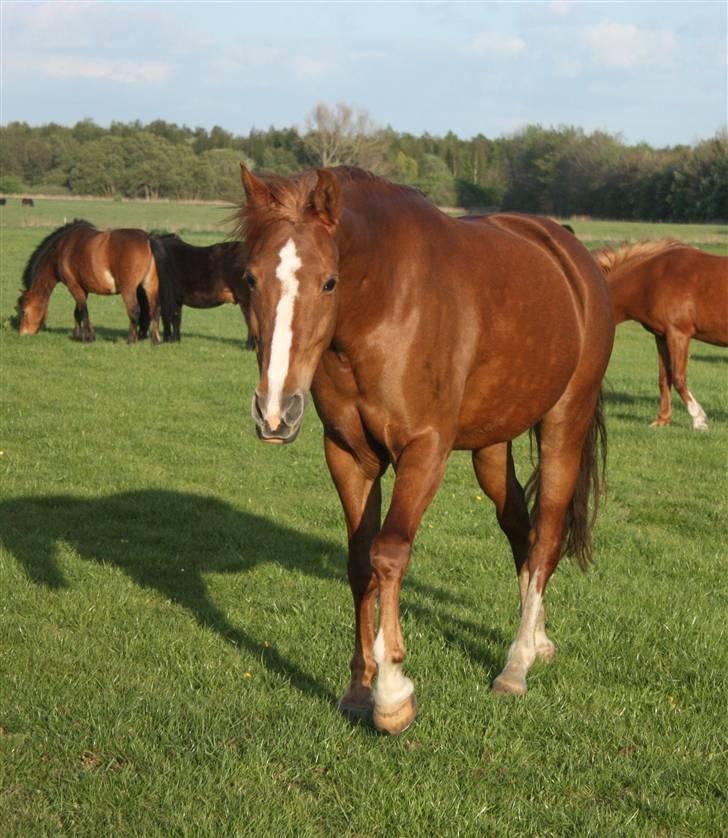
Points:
(200, 277)
(91, 261)
(677, 293)
(418, 334)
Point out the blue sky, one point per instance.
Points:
(652, 71)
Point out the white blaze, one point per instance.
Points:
(283, 326)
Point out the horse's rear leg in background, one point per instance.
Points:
(134, 311)
(497, 478)
(565, 436)
(360, 496)
(82, 329)
(419, 471)
(678, 344)
(664, 417)
(150, 289)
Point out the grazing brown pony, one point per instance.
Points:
(418, 334)
(200, 277)
(677, 293)
(91, 261)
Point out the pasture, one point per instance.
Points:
(176, 623)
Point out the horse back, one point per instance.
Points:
(107, 262)
(681, 288)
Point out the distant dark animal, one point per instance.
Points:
(200, 277)
(677, 293)
(569, 228)
(91, 261)
(418, 334)
(27, 202)
(3, 201)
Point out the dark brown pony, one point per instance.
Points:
(418, 334)
(200, 277)
(677, 293)
(91, 261)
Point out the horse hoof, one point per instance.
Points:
(395, 718)
(660, 423)
(546, 651)
(702, 427)
(356, 706)
(509, 686)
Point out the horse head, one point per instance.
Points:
(292, 276)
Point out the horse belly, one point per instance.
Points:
(504, 398)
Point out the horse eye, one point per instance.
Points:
(250, 279)
(329, 285)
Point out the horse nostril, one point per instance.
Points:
(294, 409)
(256, 410)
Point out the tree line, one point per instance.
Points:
(561, 171)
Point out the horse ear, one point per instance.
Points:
(256, 191)
(327, 198)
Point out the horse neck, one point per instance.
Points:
(44, 281)
(625, 285)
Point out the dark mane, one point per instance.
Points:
(36, 257)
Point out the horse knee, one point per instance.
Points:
(389, 556)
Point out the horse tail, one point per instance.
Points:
(582, 510)
(167, 294)
(144, 314)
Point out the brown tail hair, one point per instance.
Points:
(590, 484)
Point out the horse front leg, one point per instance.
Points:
(664, 417)
(678, 344)
(360, 493)
(82, 329)
(419, 471)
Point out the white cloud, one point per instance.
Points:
(623, 46)
(496, 44)
(567, 67)
(561, 8)
(308, 69)
(126, 72)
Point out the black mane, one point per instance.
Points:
(36, 257)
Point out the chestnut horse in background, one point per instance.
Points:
(91, 261)
(200, 277)
(677, 293)
(418, 334)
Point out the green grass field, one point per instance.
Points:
(176, 624)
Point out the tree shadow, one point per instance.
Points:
(167, 541)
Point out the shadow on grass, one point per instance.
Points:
(615, 399)
(710, 359)
(120, 335)
(167, 541)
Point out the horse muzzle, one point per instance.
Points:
(281, 428)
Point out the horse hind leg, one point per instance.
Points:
(496, 475)
(133, 310)
(150, 289)
(566, 477)
(678, 343)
